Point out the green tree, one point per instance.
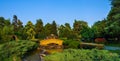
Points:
(61, 31)
(67, 25)
(39, 29)
(65, 31)
(112, 32)
(6, 30)
(113, 22)
(114, 13)
(18, 27)
(78, 26)
(4, 22)
(99, 28)
(54, 28)
(6, 33)
(29, 30)
(51, 28)
(1, 22)
(48, 29)
(88, 34)
(14, 22)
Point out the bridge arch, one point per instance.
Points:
(51, 41)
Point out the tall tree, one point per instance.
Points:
(29, 30)
(14, 22)
(48, 29)
(99, 28)
(5, 29)
(113, 24)
(65, 31)
(61, 31)
(114, 13)
(4, 22)
(54, 28)
(78, 26)
(39, 29)
(88, 34)
(67, 25)
(18, 26)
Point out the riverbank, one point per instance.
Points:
(15, 50)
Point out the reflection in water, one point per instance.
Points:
(35, 55)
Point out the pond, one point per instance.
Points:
(112, 48)
(35, 55)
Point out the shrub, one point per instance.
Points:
(18, 49)
(83, 55)
(71, 44)
(100, 40)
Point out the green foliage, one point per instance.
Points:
(78, 26)
(71, 44)
(87, 34)
(115, 11)
(5, 33)
(54, 28)
(98, 28)
(50, 28)
(113, 24)
(39, 29)
(115, 51)
(29, 30)
(5, 30)
(83, 55)
(18, 49)
(65, 31)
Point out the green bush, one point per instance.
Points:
(18, 49)
(83, 55)
(71, 43)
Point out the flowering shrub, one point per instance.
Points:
(100, 40)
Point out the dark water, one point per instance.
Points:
(32, 56)
(35, 55)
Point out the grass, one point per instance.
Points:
(15, 50)
(83, 55)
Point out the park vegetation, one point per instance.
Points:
(83, 55)
(13, 50)
(108, 29)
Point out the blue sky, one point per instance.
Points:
(61, 11)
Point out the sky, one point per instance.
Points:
(62, 11)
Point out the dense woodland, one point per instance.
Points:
(108, 28)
